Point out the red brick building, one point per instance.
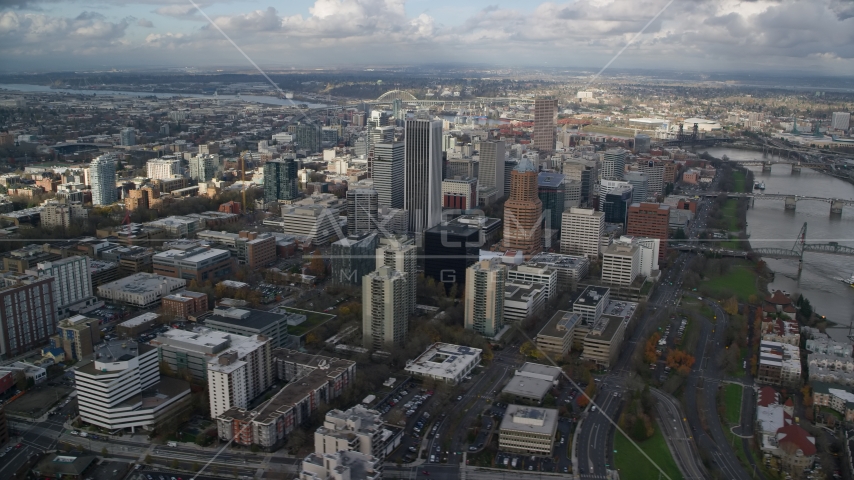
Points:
(650, 220)
(260, 251)
(231, 207)
(184, 304)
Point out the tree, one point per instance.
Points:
(21, 381)
(807, 393)
(104, 452)
(147, 459)
(680, 361)
(529, 350)
(731, 305)
(173, 463)
(317, 265)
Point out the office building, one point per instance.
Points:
(362, 205)
(321, 380)
(203, 167)
(532, 383)
(509, 165)
(77, 336)
(648, 249)
(550, 189)
(202, 264)
(102, 178)
(840, 121)
(484, 297)
(307, 136)
(570, 270)
(73, 284)
(385, 320)
(639, 183)
(119, 386)
(533, 272)
(581, 232)
(163, 168)
(460, 193)
(605, 336)
(343, 464)
(555, 338)
(356, 429)
(423, 173)
(523, 211)
(445, 362)
(249, 322)
(642, 143)
(616, 204)
(571, 195)
(280, 180)
(141, 290)
(449, 249)
(583, 171)
(614, 163)
(253, 249)
(590, 304)
(654, 171)
(545, 110)
(620, 264)
(387, 172)
(522, 299)
(400, 254)
(650, 220)
(528, 430)
(128, 137)
(318, 224)
(185, 304)
(353, 257)
(491, 168)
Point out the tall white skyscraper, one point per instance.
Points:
(102, 175)
(581, 231)
(384, 316)
(614, 163)
(484, 299)
(423, 173)
(491, 173)
(361, 210)
(387, 173)
(400, 253)
(162, 168)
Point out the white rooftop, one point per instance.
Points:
(444, 360)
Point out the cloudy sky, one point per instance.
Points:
(712, 35)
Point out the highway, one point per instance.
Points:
(678, 435)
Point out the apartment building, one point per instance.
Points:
(484, 298)
(185, 304)
(779, 364)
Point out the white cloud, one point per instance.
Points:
(142, 22)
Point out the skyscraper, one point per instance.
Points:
(361, 210)
(73, 283)
(203, 167)
(654, 171)
(581, 232)
(399, 253)
(423, 173)
(308, 136)
(388, 173)
(523, 228)
(160, 168)
(102, 175)
(353, 258)
(614, 163)
(484, 298)
(128, 137)
(616, 203)
(650, 220)
(544, 124)
(280, 180)
(491, 169)
(638, 181)
(384, 316)
(550, 189)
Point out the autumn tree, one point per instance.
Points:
(731, 305)
(807, 393)
(649, 353)
(529, 350)
(317, 265)
(680, 361)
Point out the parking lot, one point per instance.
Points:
(410, 408)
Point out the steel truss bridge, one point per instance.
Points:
(801, 247)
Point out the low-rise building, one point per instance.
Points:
(528, 430)
(201, 264)
(136, 325)
(779, 364)
(445, 362)
(835, 397)
(185, 304)
(523, 299)
(357, 429)
(818, 342)
(604, 339)
(532, 382)
(535, 273)
(142, 290)
(248, 322)
(253, 249)
(570, 268)
(342, 465)
(77, 336)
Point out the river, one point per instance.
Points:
(769, 224)
(269, 100)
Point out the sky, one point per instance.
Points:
(812, 36)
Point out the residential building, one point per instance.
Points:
(362, 205)
(357, 429)
(321, 380)
(522, 299)
(620, 264)
(385, 320)
(423, 173)
(779, 364)
(102, 178)
(27, 315)
(280, 180)
(523, 211)
(201, 264)
(203, 167)
(142, 290)
(400, 253)
(77, 336)
(387, 172)
(796, 450)
(445, 362)
(249, 322)
(128, 137)
(543, 138)
(353, 257)
(63, 214)
(818, 342)
(834, 397)
(119, 386)
(555, 338)
(528, 430)
(308, 136)
(484, 297)
(840, 120)
(73, 284)
(650, 220)
(581, 231)
(163, 168)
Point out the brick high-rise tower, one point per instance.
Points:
(523, 226)
(544, 124)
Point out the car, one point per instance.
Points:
(425, 472)
(459, 397)
(75, 432)
(565, 469)
(472, 448)
(530, 467)
(593, 408)
(412, 449)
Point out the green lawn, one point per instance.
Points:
(739, 369)
(740, 280)
(732, 403)
(633, 465)
(729, 212)
(738, 179)
(312, 319)
(690, 336)
(732, 244)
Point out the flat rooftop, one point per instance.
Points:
(527, 387)
(519, 291)
(534, 370)
(245, 317)
(143, 282)
(444, 360)
(591, 296)
(624, 310)
(561, 323)
(558, 260)
(139, 320)
(542, 421)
